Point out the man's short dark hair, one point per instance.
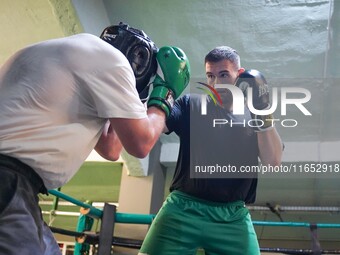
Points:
(223, 53)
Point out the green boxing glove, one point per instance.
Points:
(173, 75)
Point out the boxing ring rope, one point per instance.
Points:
(130, 218)
(96, 213)
(280, 208)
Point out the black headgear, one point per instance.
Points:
(138, 49)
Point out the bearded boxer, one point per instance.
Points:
(62, 98)
(205, 210)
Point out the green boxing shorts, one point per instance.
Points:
(185, 223)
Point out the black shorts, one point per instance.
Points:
(22, 229)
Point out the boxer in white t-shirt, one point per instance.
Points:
(62, 98)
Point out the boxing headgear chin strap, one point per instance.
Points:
(138, 49)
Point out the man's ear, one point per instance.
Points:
(241, 70)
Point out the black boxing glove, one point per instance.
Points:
(260, 97)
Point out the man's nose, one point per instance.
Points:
(218, 81)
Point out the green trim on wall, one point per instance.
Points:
(68, 19)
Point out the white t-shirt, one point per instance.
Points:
(55, 98)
